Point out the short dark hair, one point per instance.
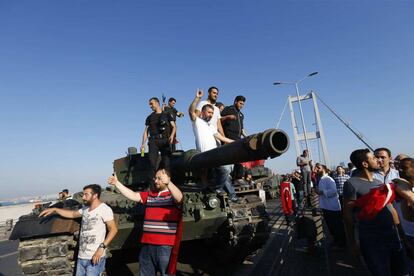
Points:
(167, 172)
(337, 167)
(382, 149)
(211, 88)
(240, 98)
(172, 99)
(358, 156)
(96, 189)
(154, 99)
(65, 191)
(408, 159)
(207, 106)
(218, 104)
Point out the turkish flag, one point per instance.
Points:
(373, 202)
(286, 197)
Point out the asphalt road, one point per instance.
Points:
(8, 258)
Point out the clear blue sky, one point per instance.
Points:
(76, 76)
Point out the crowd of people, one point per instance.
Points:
(367, 206)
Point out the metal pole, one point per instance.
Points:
(301, 115)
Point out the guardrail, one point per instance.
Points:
(6, 227)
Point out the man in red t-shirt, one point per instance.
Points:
(162, 223)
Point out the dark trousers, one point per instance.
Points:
(306, 179)
(335, 225)
(158, 146)
(153, 258)
(383, 255)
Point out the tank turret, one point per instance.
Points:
(133, 169)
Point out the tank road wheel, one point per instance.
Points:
(48, 256)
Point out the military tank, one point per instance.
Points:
(233, 230)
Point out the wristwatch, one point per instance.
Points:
(102, 245)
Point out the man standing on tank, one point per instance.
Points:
(96, 218)
(170, 108)
(160, 131)
(206, 134)
(232, 122)
(215, 121)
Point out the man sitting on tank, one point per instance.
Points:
(206, 135)
(96, 217)
(162, 223)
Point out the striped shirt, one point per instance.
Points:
(162, 216)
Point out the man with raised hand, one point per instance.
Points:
(206, 134)
(162, 223)
(212, 100)
(96, 217)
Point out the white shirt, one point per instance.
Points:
(329, 200)
(216, 115)
(93, 229)
(204, 135)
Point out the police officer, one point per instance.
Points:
(174, 113)
(160, 131)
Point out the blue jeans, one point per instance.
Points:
(153, 258)
(383, 255)
(85, 267)
(223, 179)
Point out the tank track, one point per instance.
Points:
(48, 256)
(247, 227)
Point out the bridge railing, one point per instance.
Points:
(6, 226)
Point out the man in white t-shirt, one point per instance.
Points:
(96, 217)
(206, 134)
(212, 100)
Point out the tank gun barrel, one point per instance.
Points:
(270, 143)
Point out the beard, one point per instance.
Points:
(87, 202)
(373, 169)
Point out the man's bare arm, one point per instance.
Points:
(144, 137)
(175, 192)
(192, 109)
(128, 193)
(112, 230)
(173, 132)
(349, 220)
(220, 128)
(61, 212)
(223, 138)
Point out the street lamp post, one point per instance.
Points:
(296, 83)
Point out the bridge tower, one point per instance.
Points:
(317, 135)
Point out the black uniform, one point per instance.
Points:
(159, 130)
(172, 110)
(233, 128)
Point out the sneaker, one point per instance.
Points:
(236, 199)
(220, 192)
